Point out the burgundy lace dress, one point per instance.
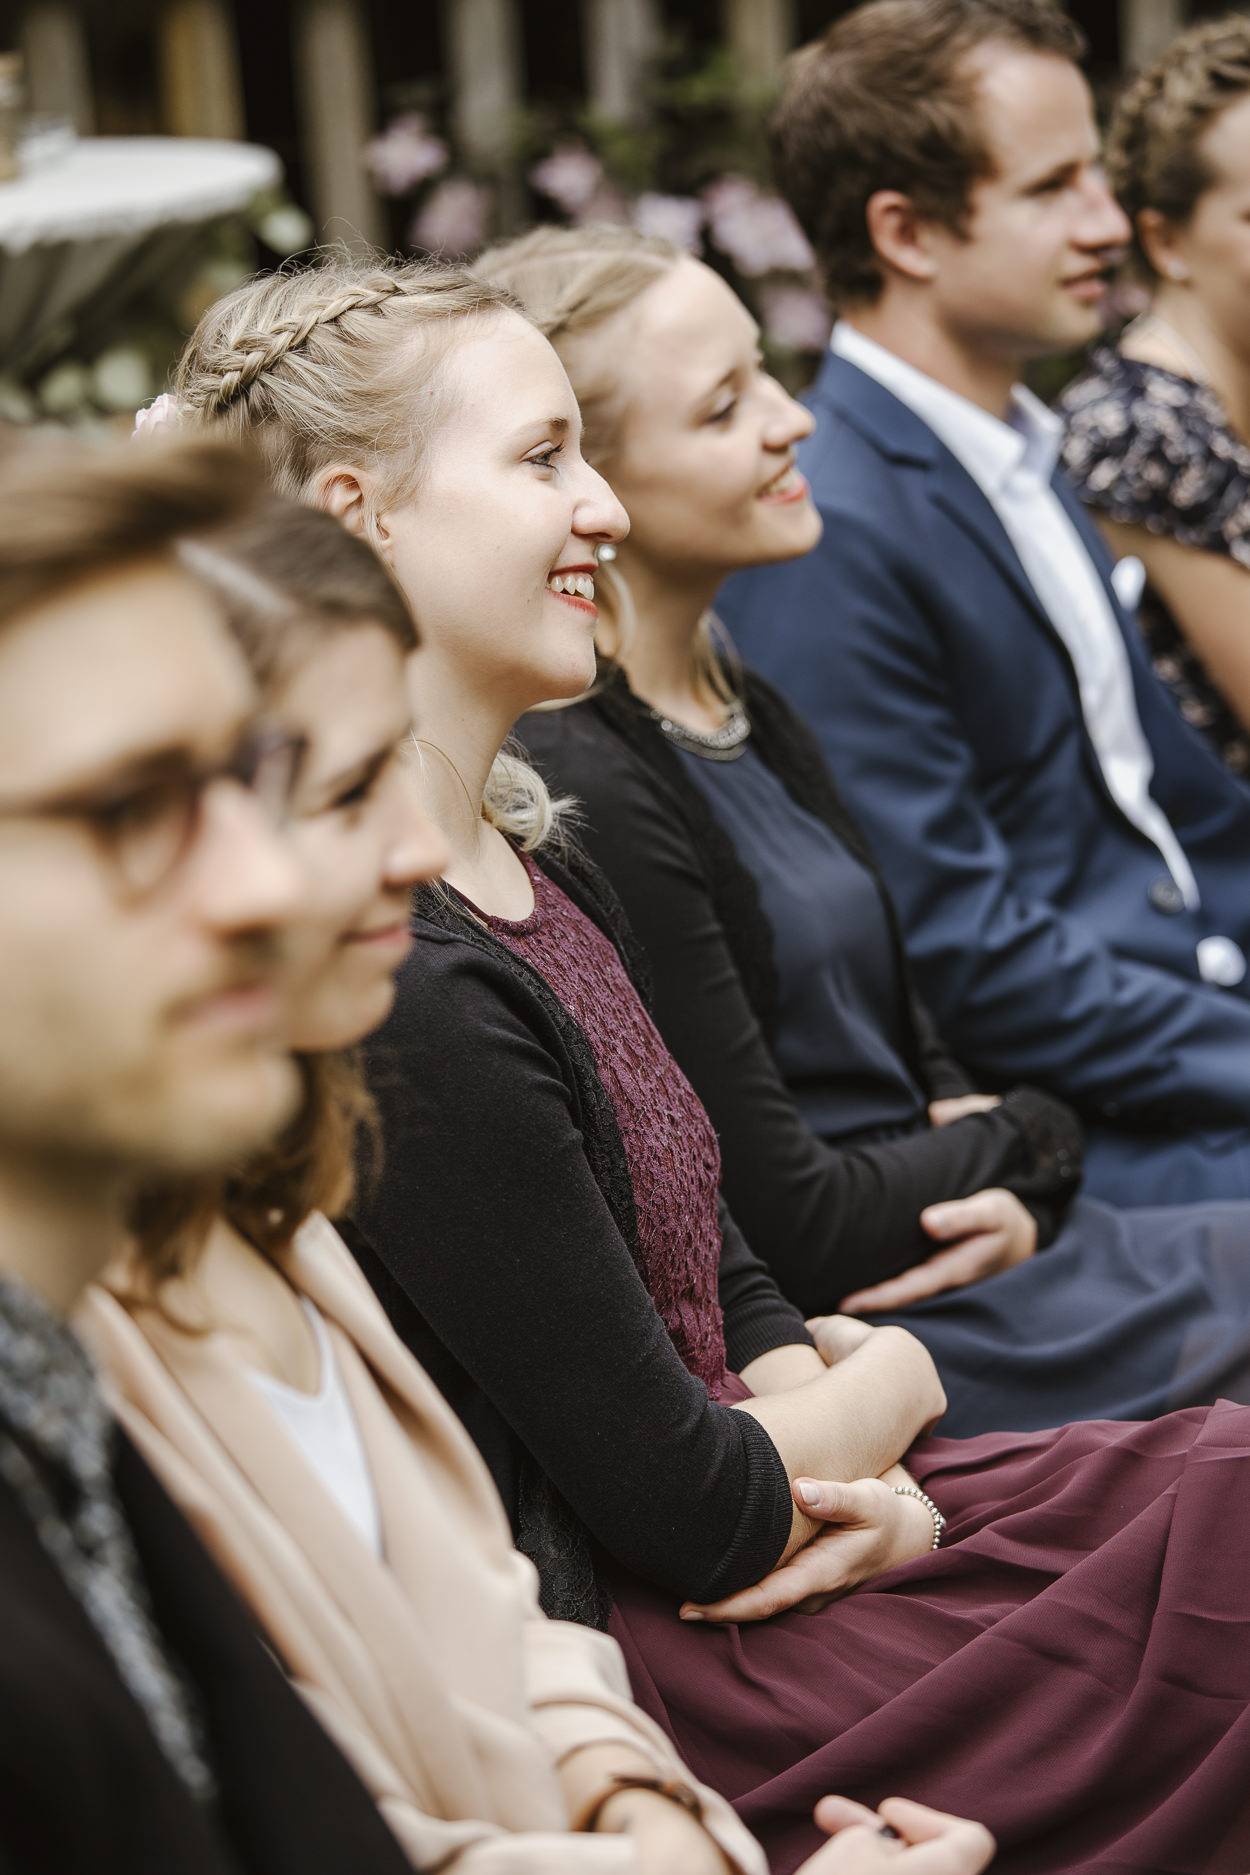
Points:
(1072, 1666)
(674, 1158)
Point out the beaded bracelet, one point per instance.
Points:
(939, 1521)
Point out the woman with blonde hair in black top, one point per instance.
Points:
(859, 1159)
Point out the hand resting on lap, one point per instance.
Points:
(987, 1233)
(925, 1842)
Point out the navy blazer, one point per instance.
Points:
(1045, 932)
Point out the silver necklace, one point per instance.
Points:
(716, 745)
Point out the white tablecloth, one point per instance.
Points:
(108, 217)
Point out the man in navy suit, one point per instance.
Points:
(1071, 861)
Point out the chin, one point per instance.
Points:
(564, 684)
(233, 1116)
(344, 1023)
(781, 539)
(1079, 326)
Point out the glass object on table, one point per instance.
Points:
(43, 139)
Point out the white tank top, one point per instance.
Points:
(324, 1428)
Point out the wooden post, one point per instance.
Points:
(622, 40)
(54, 48)
(761, 32)
(201, 91)
(334, 75)
(484, 50)
(1146, 26)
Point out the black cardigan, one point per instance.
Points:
(826, 1218)
(84, 1787)
(501, 1238)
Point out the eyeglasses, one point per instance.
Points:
(145, 827)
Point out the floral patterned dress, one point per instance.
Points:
(1151, 448)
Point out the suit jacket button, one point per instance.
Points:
(1221, 961)
(1165, 895)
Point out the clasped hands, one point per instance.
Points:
(866, 1527)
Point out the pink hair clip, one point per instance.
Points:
(162, 415)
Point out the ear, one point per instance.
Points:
(900, 237)
(1160, 241)
(347, 494)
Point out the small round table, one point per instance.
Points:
(102, 221)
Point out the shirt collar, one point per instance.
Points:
(992, 450)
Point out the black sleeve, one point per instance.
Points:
(489, 1219)
(826, 1219)
(944, 1077)
(757, 1316)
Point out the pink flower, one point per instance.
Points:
(608, 206)
(675, 218)
(162, 415)
(757, 231)
(797, 318)
(454, 219)
(404, 155)
(727, 193)
(570, 176)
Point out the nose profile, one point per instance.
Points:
(599, 515)
(789, 421)
(1105, 223)
(244, 872)
(416, 851)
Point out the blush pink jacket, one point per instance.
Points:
(434, 1670)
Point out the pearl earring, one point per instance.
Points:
(1177, 270)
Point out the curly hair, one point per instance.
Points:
(1155, 154)
(886, 99)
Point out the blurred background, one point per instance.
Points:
(155, 152)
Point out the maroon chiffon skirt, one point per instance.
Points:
(1072, 1667)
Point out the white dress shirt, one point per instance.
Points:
(1012, 463)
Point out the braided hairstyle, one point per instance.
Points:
(1155, 154)
(342, 362)
(338, 362)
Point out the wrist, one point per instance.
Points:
(933, 1521)
(635, 1794)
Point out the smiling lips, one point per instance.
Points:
(394, 937)
(1091, 285)
(576, 586)
(790, 485)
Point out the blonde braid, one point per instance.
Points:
(256, 352)
(311, 366)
